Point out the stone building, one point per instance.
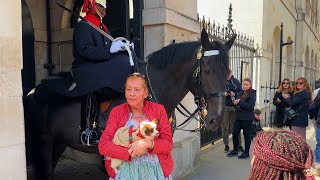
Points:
(262, 20)
(37, 42)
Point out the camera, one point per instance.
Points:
(228, 91)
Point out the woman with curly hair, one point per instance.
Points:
(280, 103)
(300, 104)
(282, 155)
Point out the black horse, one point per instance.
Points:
(170, 72)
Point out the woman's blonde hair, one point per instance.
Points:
(281, 89)
(137, 75)
(306, 87)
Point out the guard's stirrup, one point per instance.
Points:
(89, 137)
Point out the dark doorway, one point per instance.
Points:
(120, 22)
(124, 19)
(28, 71)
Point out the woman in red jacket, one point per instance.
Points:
(145, 158)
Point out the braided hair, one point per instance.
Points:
(280, 154)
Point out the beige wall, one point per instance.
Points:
(164, 22)
(12, 147)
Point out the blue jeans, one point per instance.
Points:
(318, 145)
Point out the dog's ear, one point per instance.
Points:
(156, 121)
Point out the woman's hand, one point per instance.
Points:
(235, 102)
(139, 147)
(278, 101)
(285, 96)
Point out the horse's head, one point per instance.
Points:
(214, 64)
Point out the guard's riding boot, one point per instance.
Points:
(89, 137)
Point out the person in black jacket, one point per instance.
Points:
(284, 88)
(256, 126)
(98, 62)
(244, 117)
(300, 103)
(232, 90)
(99, 67)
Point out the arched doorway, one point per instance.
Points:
(28, 71)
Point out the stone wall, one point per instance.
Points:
(12, 147)
(166, 21)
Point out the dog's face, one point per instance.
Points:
(149, 129)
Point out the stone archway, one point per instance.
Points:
(276, 54)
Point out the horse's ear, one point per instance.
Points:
(230, 42)
(205, 39)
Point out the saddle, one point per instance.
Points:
(93, 103)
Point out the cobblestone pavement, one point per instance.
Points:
(73, 170)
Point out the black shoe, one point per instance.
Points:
(241, 149)
(232, 153)
(89, 137)
(243, 155)
(226, 149)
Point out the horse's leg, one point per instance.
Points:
(58, 149)
(46, 155)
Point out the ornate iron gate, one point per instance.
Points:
(241, 60)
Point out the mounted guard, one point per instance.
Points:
(99, 69)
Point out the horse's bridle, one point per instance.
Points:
(200, 96)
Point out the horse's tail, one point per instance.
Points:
(34, 114)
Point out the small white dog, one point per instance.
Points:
(147, 129)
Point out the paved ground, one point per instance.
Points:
(215, 165)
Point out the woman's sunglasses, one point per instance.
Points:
(300, 83)
(285, 83)
(136, 75)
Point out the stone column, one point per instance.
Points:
(166, 21)
(299, 70)
(12, 147)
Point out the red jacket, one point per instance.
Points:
(118, 117)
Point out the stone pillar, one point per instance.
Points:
(12, 141)
(166, 21)
(290, 70)
(299, 70)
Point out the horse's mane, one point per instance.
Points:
(174, 53)
(180, 52)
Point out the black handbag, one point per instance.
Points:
(290, 112)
